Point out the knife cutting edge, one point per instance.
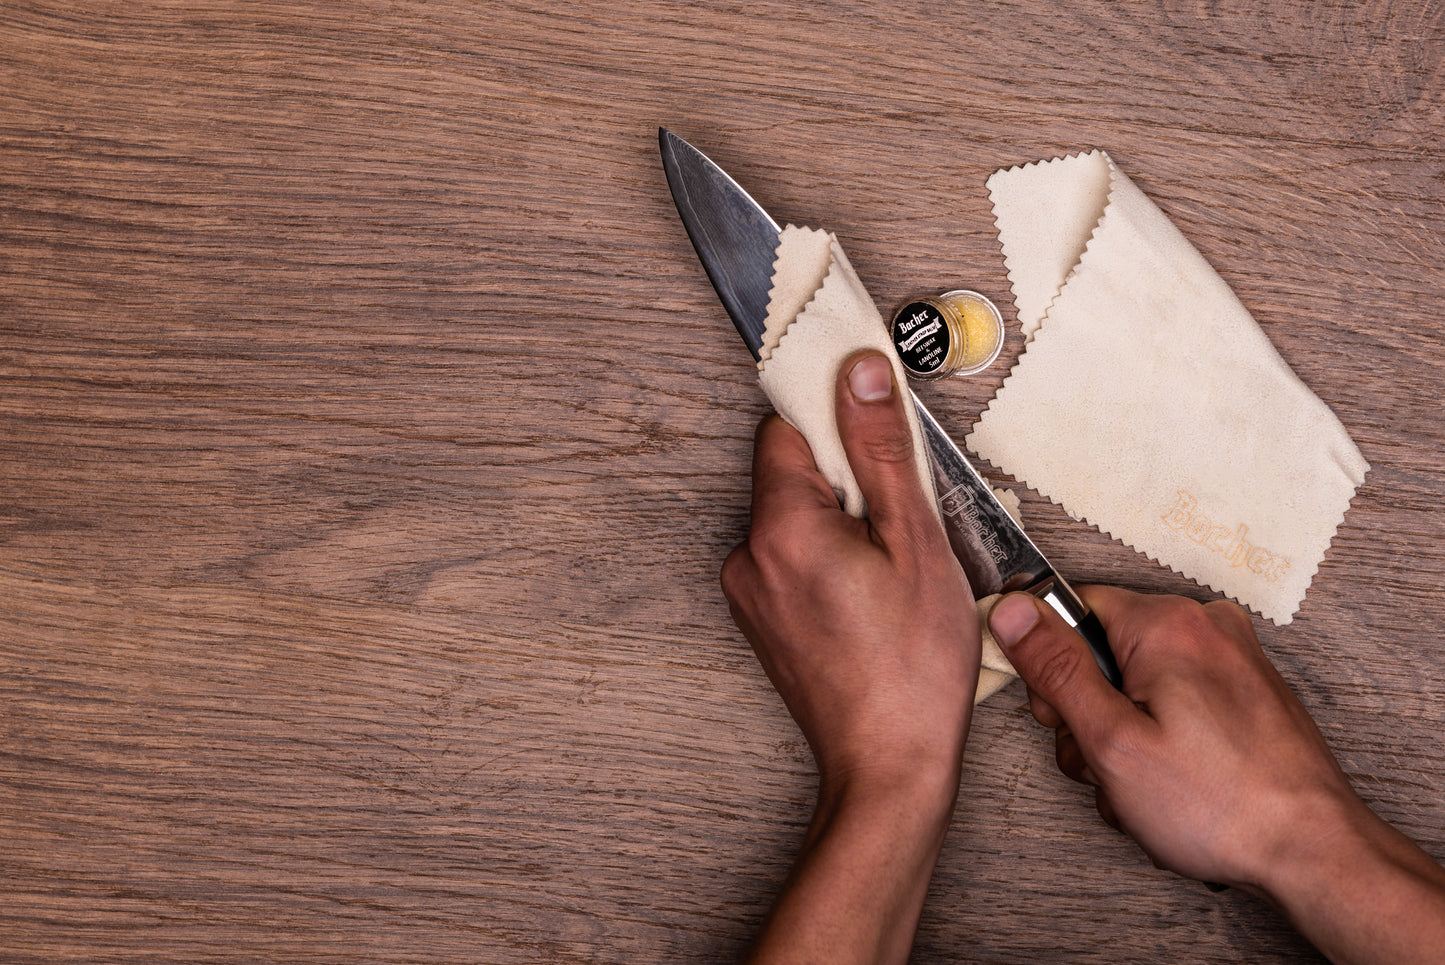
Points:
(736, 241)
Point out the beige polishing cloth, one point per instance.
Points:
(1148, 402)
(819, 314)
(996, 670)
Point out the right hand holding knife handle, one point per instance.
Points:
(1058, 594)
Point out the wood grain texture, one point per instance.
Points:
(370, 440)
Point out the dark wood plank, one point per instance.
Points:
(370, 440)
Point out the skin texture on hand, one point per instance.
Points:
(867, 629)
(1210, 762)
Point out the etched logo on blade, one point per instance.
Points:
(957, 502)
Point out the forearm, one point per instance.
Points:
(857, 888)
(1366, 895)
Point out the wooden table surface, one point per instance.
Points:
(370, 440)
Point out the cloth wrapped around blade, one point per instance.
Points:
(819, 314)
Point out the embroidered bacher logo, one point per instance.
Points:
(1235, 547)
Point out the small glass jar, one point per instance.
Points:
(956, 333)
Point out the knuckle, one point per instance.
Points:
(733, 576)
(774, 546)
(1215, 634)
(1185, 623)
(919, 547)
(1229, 617)
(778, 555)
(1177, 612)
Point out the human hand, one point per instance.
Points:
(865, 626)
(1205, 758)
(1211, 763)
(869, 632)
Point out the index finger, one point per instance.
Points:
(1113, 605)
(1157, 637)
(785, 477)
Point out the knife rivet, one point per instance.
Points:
(956, 333)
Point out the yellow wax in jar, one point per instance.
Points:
(981, 331)
(978, 331)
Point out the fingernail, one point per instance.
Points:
(1011, 618)
(871, 379)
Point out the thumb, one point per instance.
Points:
(1058, 667)
(873, 426)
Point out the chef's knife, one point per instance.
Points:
(737, 242)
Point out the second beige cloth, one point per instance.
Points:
(1149, 402)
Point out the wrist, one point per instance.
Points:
(1362, 891)
(1330, 834)
(859, 884)
(917, 800)
(1344, 853)
(872, 764)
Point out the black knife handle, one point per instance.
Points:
(1059, 595)
(1093, 633)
